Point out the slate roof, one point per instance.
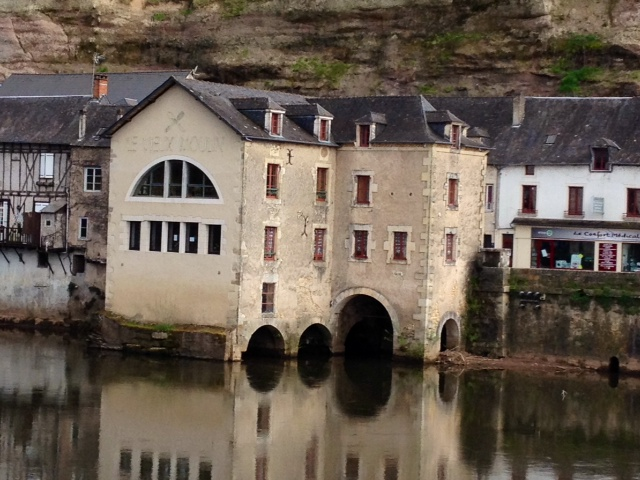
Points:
(53, 120)
(122, 87)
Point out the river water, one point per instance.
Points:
(66, 413)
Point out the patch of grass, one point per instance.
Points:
(331, 72)
(160, 17)
(572, 80)
(234, 8)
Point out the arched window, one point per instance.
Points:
(175, 179)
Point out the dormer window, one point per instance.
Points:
(364, 135)
(600, 159)
(323, 132)
(276, 124)
(455, 136)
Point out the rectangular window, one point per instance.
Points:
(276, 123)
(633, 202)
(155, 236)
(173, 236)
(453, 193)
(360, 244)
(134, 235)
(487, 241)
(273, 173)
(318, 244)
(78, 264)
(192, 237)
(270, 234)
(92, 179)
(83, 228)
(364, 135)
(575, 201)
(600, 158)
(175, 178)
(529, 169)
(268, 297)
(363, 183)
(321, 184)
(528, 199)
(46, 165)
(488, 198)
(215, 239)
(400, 245)
(323, 134)
(450, 247)
(455, 136)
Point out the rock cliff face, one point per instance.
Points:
(354, 47)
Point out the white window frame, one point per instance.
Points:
(91, 186)
(280, 115)
(389, 245)
(83, 224)
(46, 165)
(4, 213)
(489, 205)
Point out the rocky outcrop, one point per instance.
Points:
(476, 47)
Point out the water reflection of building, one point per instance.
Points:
(48, 410)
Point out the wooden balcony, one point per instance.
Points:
(15, 237)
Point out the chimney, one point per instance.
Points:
(82, 124)
(518, 110)
(100, 86)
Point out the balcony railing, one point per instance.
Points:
(15, 237)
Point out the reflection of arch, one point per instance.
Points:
(265, 342)
(447, 386)
(175, 177)
(315, 341)
(449, 331)
(313, 371)
(363, 387)
(264, 374)
(342, 324)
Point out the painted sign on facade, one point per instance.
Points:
(586, 234)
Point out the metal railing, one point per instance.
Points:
(15, 236)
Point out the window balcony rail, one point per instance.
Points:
(272, 192)
(321, 195)
(528, 212)
(15, 237)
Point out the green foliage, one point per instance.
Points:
(580, 299)
(573, 79)
(577, 44)
(440, 48)
(102, 69)
(577, 54)
(234, 8)
(164, 327)
(160, 17)
(428, 90)
(330, 72)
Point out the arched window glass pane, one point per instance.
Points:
(175, 178)
(152, 183)
(199, 185)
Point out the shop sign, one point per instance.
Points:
(607, 257)
(587, 234)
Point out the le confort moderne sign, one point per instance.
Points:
(587, 234)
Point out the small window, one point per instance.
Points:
(155, 236)
(323, 134)
(134, 235)
(46, 165)
(173, 236)
(400, 245)
(450, 247)
(83, 228)
(276, 123)
(633, 202)
(215, 239)
(575, 201)
(92, 179)
(600, 159)
(360, 244)
(270, 234)
(364, 135)
(319, 235)
(78, 264)
(455, 136)
(529, 169)
(550, 140)
(321, 184)
(363, 189)
(528, 199)
(487, 241)
(268, 297)
(488, 198)
(273, 180)
(192, 237)
(453, 193)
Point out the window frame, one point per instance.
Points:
(452, 192)
(275, 124)
(155, 235)
(160, 183)
(633, 203)
(364, 135)
(93, 179)
(489, 195)
(322, 182)
(324, 129)
(319, 244)
(362, 190)
(455, 136)
(173, 244)
(270, 243)
(360, 244)
(600, 159)
(529, 170)
(85, 228)
(529, 198)
(47, 161)
(214, 239)
(273, 181)
(192, 231)
(400, 246)
(268, 305)
(450, 252)
(575, 202)
(135, 228)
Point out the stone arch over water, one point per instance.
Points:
(267, 341)
(449, 331)
(315, 341)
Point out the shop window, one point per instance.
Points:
(364, 135)
(270, 234)
(575, 201)
(155, 236)
(321, 184)
(633, 202)
(488, 198)
(268, 297)
(192, 237)
(528, 199)
(319, 235)
(453, 193)
(360, 244)
(363, 189)
(215, 239)
(134, 235)
(529, 169)
(273, 180)
(600, 159)
(631, 257)
(562, 254)
(173, 236)
(400, 245)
